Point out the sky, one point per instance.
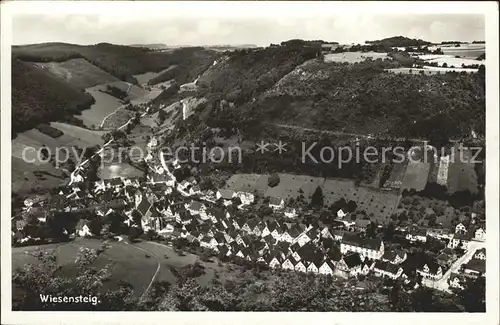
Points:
(261, 27)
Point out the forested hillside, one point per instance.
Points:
(120, 61)
(39, 96)
(358, 98)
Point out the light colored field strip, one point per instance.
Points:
(118, 108)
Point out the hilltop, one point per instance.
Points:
(156, 46)
(399, 41)
(120, 61)
(290, 84)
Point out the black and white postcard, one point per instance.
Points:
(338, 160)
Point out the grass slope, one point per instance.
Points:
(78, 72)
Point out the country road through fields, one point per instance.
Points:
(157, 268)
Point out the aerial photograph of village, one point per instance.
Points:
(261, 164)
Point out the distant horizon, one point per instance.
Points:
(234, 44)
(182, 29)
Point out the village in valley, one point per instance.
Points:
(168, 205)
(240, 177)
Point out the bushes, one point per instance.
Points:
(50, 131)
(115, 92)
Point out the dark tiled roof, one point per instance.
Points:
(115, 181)
(355, 240)
(275, 200)
(226, 194)
(196, 205)
(352, 260)
(144, 206)
(386, 266)
(476, 265)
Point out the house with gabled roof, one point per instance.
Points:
(366, 247)
(480, 254)
(349, 265)
(269, 240)
(286, 237)
(239, 223)
(439, 233)
(460, 240)
(82, 228)
(313, 267)
(394, 256)
(276, 203)
(289, 264)
(460, 229)
(341, 214)
(326, 233)
(257, 230)
(326, 268)
(416, 234)
(300, 267)
(480, 233)
(251, 224)
(430, 270)
(183, 217)
(456, 281)
(303, 239)
(386, 269)
(474, 268)
(274, 260)
(245, 197)
(156, 178)
(290, 212)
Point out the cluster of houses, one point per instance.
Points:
(219, 220)
(474, 268)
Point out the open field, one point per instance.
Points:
(450, 60)
(29, 173)
(464, 50)
(353, 57)
(416, 176)
(26, 177)
(396, 177)
(104, 105)
(128, 262)
(119, 170)
(78, 72)
(461, 174)
(429, 70)
(144, 78)
(380, 203)
(73, 136)
(377, 204)
(290, 186)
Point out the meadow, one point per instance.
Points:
(375, 203)
(353, 57)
